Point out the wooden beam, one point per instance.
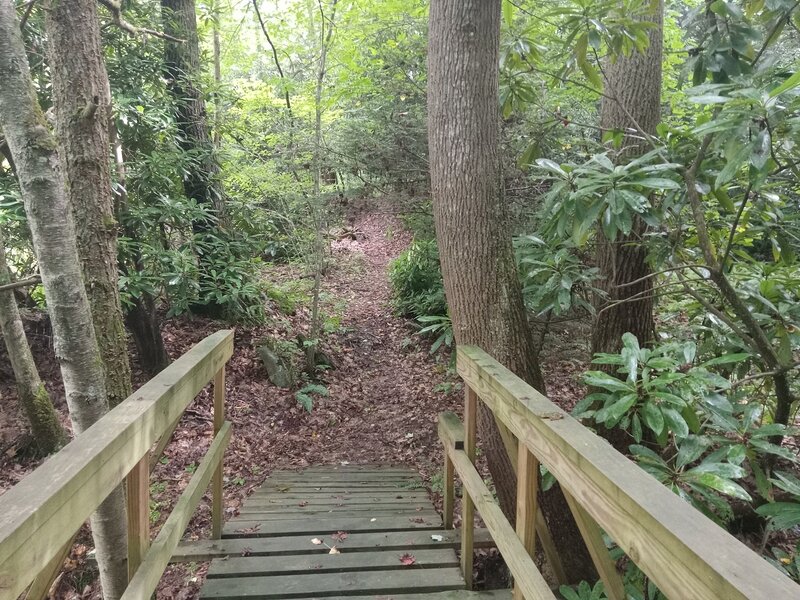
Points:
(527, 490)
(157, 558)
(549, 548)
(467, 504)
(527, 577)
(451, 430)
(677, 547)
(39, 514)
(163, 442)
(217, 500)
(137, 490)
(40, 587)
(451, 433)
(593, 536)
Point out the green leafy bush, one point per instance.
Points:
(416, 278)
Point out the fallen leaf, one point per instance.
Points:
(334, 550)
(372, 520)
(339, 536)
(417, 520)
(408, 559)
(303, 503)
(437, 538)
(316, 541)
(247, 551)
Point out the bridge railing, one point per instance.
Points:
(684, 553)
(40, 516)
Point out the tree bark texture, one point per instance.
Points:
(82, 101)
(182, 70)
(481, 283)
(142, 320)
(53, 232)
(48, 435)
(633, 101)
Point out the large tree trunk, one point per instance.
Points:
(632, 102)
(53, 232)
(48, 435)
(182, 70)
(82, 101)
(480, 277)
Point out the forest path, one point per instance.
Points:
(386, 371)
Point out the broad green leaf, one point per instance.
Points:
(653, 417)
(782, 515)
(726, 359)
(675, 422)
(723, 486)
(787, 85)
(606, 381)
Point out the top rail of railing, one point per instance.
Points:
(677, 547)
(39, 515)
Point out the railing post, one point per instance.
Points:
(216, 482)
(527, 488)
(137, 490)
(449, 486)
(593, 536)
(467, 505)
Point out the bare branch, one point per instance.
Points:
(115, 8)
(21, 283)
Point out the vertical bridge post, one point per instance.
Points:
(137, 489)
(216, 481)
(467, 505)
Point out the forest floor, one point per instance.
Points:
(384, 393)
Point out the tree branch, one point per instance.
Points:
(115, 8)
(21, 283)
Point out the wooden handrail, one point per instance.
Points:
(42, 512)
(675, 545)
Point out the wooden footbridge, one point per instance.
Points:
(370, 531)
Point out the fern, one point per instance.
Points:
(304, 395)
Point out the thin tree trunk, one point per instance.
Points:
(632, 102)
(141, 318)
(48, 435)
(317, 210)
(82, 101)
(483, 291)
(53, 232)
(217, 138)
(182, 69)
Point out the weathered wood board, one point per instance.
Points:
(336, 532)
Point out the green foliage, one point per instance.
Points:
(440, 327)
(554, 278)
(416, 279)
(700, 443)
(584, 591)
(600, 191)
(305, 395)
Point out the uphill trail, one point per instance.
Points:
(384, 393)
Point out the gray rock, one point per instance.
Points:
(279, 373)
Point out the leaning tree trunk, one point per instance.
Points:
(480, 277)
(48, 435)
(53, 232)
(82, 101)
(632, 103)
